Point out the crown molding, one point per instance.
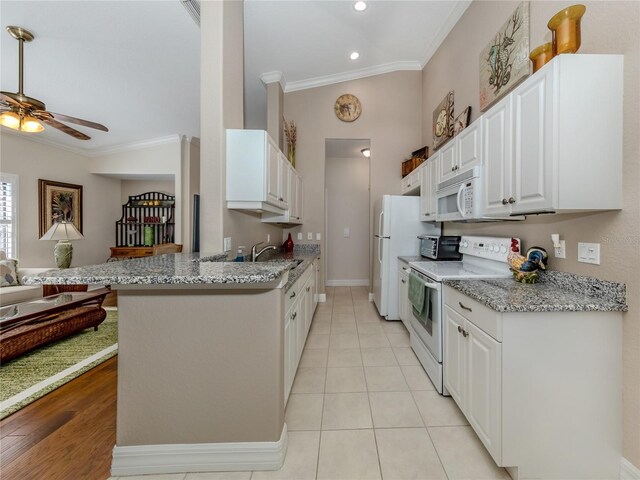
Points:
(351, 75)
(127, 147)
(445, 29)
(47, 142)
(273, 77)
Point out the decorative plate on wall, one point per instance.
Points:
(348, 107)
(443, 121)
(504, 62)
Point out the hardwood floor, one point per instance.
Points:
(67, 434)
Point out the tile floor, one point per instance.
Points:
(362, 407)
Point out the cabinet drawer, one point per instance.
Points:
(481, 316)
(295, 291)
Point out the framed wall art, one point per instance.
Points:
(462, 121)
(443, 121)
(504, 62)
(59, 202)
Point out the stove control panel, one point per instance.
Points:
(492, 248)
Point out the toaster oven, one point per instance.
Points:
(445, 247)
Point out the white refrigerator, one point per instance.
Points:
(396, 230)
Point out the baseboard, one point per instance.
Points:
(628, 471)
(322, 298)
(348, 283)
(371, 298)
(202, 457)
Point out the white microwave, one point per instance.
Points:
(460, 197)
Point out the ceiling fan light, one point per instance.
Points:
(31, 125)
(11, 120)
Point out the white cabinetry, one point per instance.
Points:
(299, 307)
(447, 161)
(404, 307)
(428, 201)
(293, 214)
(542, 144)
(461, 153)
(530, 385)
(411, 183)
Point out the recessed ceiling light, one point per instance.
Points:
(360, 6)
(354, 55)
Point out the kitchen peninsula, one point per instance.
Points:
(202, 358)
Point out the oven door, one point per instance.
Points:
(430, 332)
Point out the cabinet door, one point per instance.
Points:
(447, 161)
(284, 172)
(301, 321)
(469, 146)
(498, 157)
(308, 305)
(403, 295)
(533, 156)
(293, 196)
(425, 191)
(316, 284)
(454, 355)
(273, 173)
(289, 342)
(299, 199)
(484, 388)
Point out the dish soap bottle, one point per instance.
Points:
(239, 255)
(288, 245)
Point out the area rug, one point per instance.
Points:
(34, 374)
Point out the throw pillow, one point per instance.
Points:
(8, 273)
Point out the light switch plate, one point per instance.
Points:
(317, 236)
(346, 233)
(299, 235)
(589, 253)
(268, 237)
(309, 236)
(227, 244)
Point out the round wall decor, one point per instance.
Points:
(348, 107)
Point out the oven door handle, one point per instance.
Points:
(458, 200)
(434, 286)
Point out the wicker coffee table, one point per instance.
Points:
(28, 325)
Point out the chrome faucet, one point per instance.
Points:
(254, 255)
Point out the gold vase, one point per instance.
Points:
(565, 29)
(541, 55)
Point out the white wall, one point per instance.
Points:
(347, 191)
(31, 161)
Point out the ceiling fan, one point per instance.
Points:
(27, 114)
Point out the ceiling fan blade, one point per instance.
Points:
(9, 100)
(79, 121)
(62, 127)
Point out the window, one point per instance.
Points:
(9, 214)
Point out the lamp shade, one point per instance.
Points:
(62, 231)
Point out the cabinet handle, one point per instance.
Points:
(464, 307)
(465, 334)
(281, 199)
(453, 168)
(308, 288)
(460, 329)
(403, 281)
(512, 200)
(292, 295)
(504, 201)
(293, 317)
(456, 167)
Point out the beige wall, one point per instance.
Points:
(100, 204)
(391, 118)
(347, 190)
(136, 187)
(607, 27)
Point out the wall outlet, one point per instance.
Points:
(227, 244)
(318, 236)
(560, 252)
(299, 235)
(268, 238)
(346, 233)
(589, 253)
(309, 235)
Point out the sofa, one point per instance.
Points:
(22, 293)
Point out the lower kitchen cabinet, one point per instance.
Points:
(404, 307)
(542, 390)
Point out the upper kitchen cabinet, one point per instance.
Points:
(260, 178)
(428, 201)
(461, 153)
(411, 183)
(555, 144)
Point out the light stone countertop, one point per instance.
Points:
(554, 292)
(182, 269)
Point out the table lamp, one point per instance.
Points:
(63, 232)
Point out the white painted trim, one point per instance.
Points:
(628, 471)
(371, 297)
(273, 77)
(348, 283)
(58, 376)
(127, 147)
(322, 298)
(201, 457)
(445, 29)
(351, 75)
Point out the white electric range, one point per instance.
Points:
(483, 258)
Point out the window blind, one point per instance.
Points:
(8, 214)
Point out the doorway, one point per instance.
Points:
(347, 174)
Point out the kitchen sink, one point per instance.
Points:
(293, 263)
